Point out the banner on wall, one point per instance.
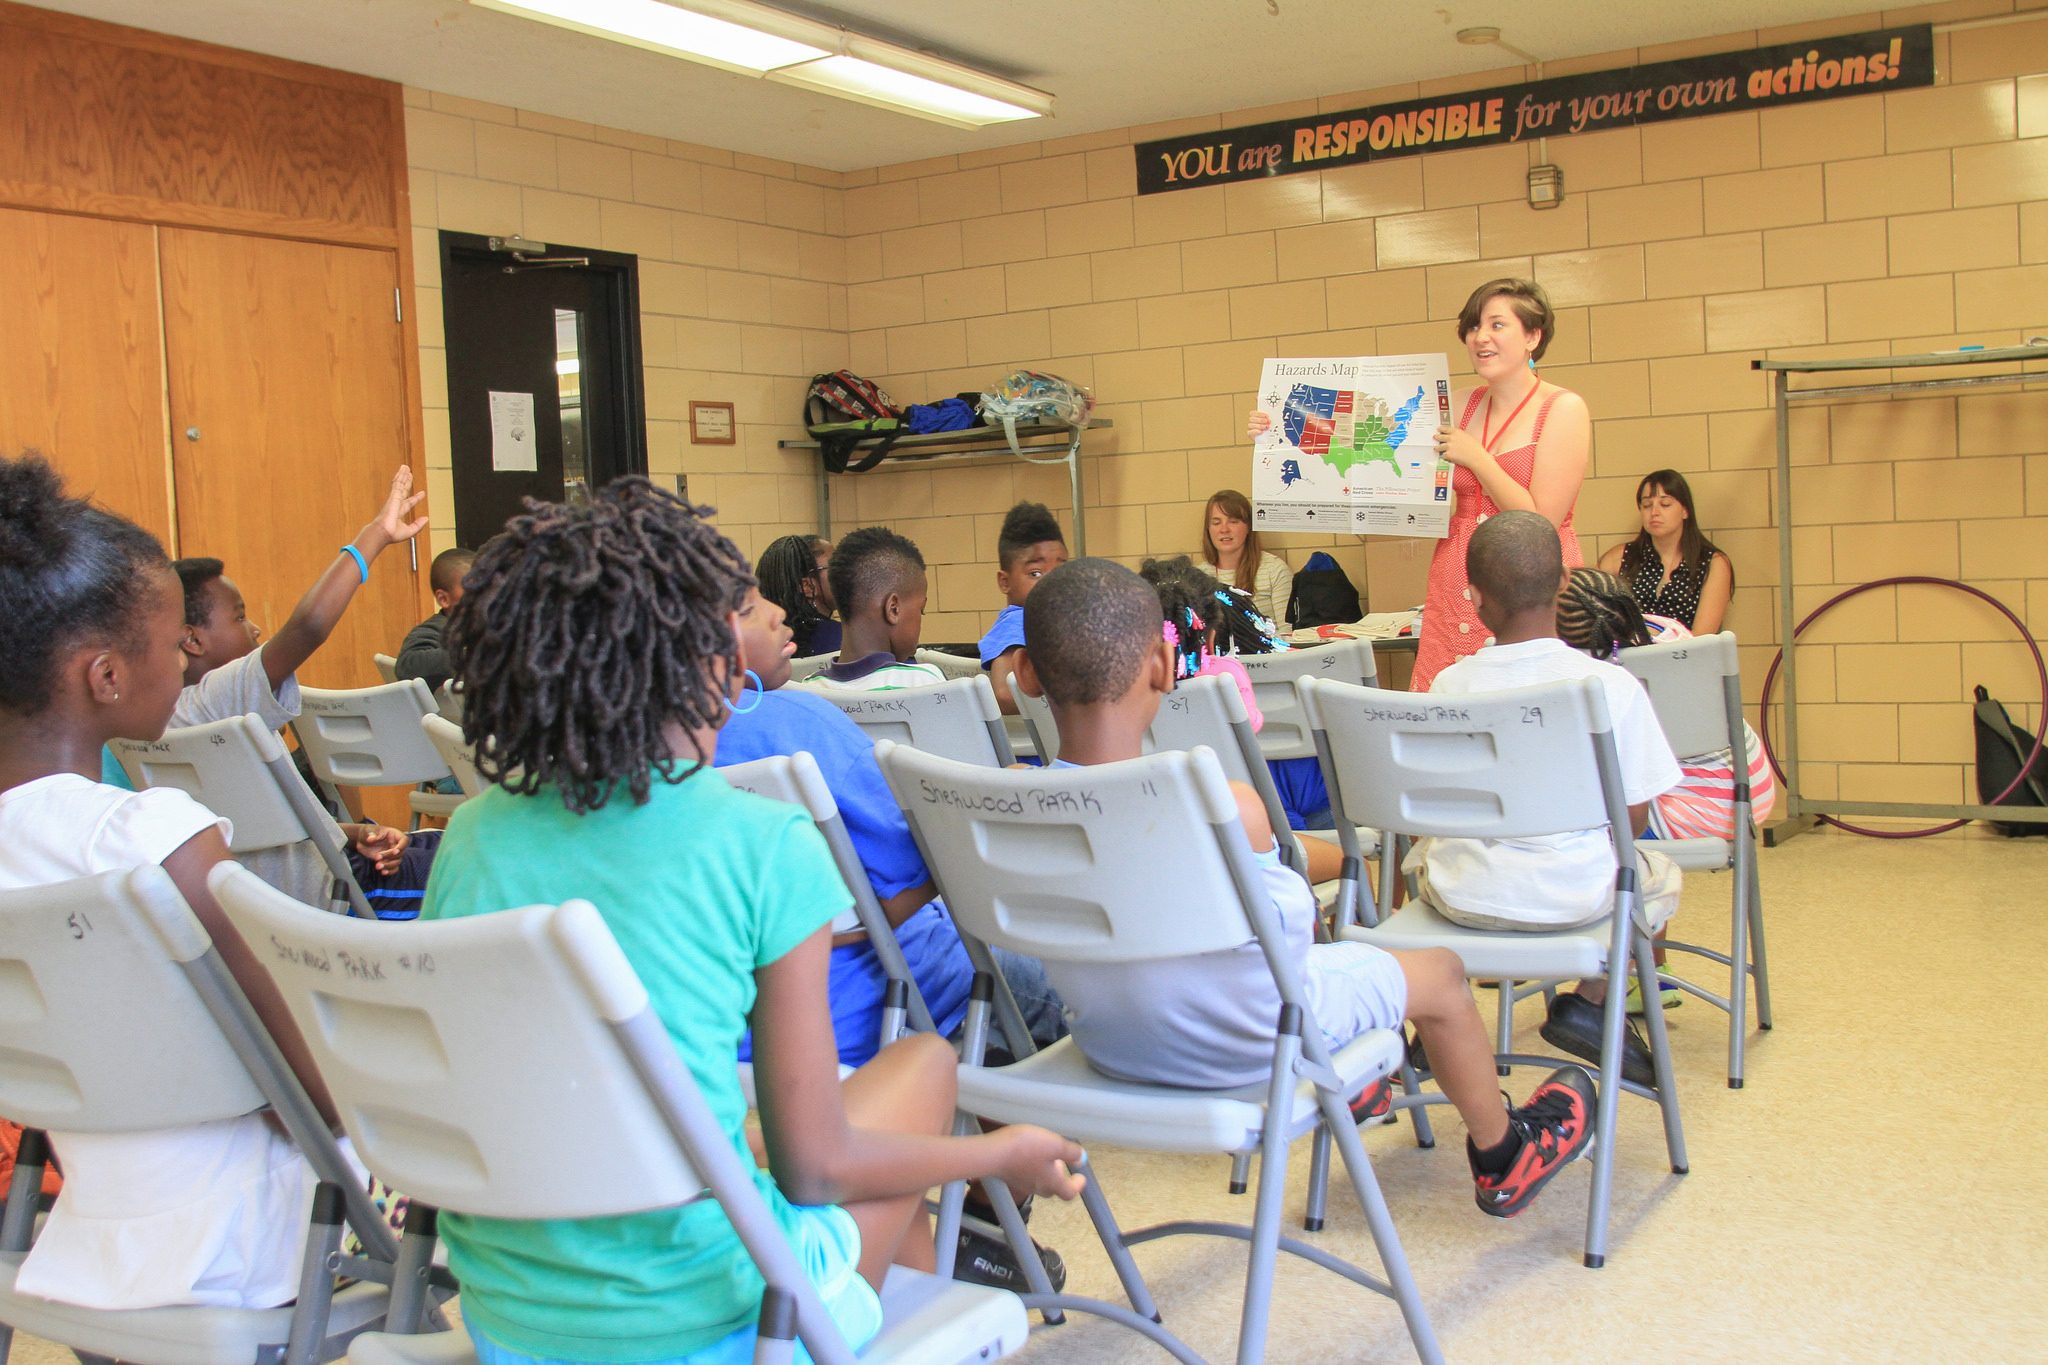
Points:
(1351, 446)
(1694, 87)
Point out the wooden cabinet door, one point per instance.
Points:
(81, 358)
(288, 418)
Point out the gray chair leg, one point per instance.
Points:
(1613, 1022)
(1240, 1172)
(316, 1276)
(1265, 1239)
(1318, 1180)
(1019, 1238)
(1425, 1136)
(407, 1306)
(1097, 1204)
(775, 1334)
(1504, 1025)
(1756, 948)
(1738, 983)
(1660, 1050)
(1381, 1223)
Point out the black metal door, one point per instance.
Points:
(544, 393)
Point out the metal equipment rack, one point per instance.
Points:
(1800, 811)
(1061, 442)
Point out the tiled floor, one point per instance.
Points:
(1872, 1195)
(1869, 1196)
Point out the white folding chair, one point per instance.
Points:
(482, 1051)
(951, 664)
(1136, 862)
(1285, 733)
(1695, 686)
(809, 666)
(961, 666)
(958, 719)
(446, 737)
(238, 769)
(370, 737)
(1043, 731)
(796, 780)
(118, 1015)
(448, 700)
(387, 667)
(1519, 763)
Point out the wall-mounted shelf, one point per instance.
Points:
(1057, 442)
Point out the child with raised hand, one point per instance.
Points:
(878, 580)
(1029, 547)
(599, 653)
(1098, 657)
(209, 1214)
(1559, 881)
(231, 670)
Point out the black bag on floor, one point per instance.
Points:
(2001, 748)
(1323, 595)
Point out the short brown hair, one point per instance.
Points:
(1526, 297)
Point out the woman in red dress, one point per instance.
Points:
(1520, 444)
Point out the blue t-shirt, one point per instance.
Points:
(111, 771)
(1006, 634)
(701, 886)
(791, 720)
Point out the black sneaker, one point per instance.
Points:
(1574, 1026)
(1555, 1126)
(1375, 1102)
(987, 1261)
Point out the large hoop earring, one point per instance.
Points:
(760, 691)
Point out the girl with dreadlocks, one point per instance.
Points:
(1202, 614)
(599, 653)
(792, 573)
(1597, 614)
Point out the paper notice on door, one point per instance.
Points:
(513, 449)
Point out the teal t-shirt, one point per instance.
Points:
(701, 886)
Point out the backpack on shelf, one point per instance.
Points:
(2001, 748)
(1027, 396)
(841, 410)
(1323, 595)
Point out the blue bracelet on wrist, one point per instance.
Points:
(363, 565)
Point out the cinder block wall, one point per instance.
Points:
(1875, 225)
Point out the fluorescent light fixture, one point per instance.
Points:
(569, 366)
(668, 29)
(758, 40)
(868, 82)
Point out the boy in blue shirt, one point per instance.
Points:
(788, 720)
(1028, 548)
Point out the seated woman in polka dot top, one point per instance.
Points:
(1671, 567)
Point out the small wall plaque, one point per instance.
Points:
(711, 424)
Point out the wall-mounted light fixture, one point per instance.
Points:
(1546, 182)
(753, 39)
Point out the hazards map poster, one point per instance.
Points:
(1352, 446)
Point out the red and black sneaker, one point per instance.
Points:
(1555, 1125)
(1376, 1101)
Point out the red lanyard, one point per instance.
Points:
(1486, 423)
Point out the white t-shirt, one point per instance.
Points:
(212, 1214)
(243, 688)
(1206, 1022)
(1558, 879)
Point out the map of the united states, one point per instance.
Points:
(1347, 429)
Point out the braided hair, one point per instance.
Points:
(1204, 614)
(784, 567)
(1598, 614)
(70, 573)
(583, 630)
